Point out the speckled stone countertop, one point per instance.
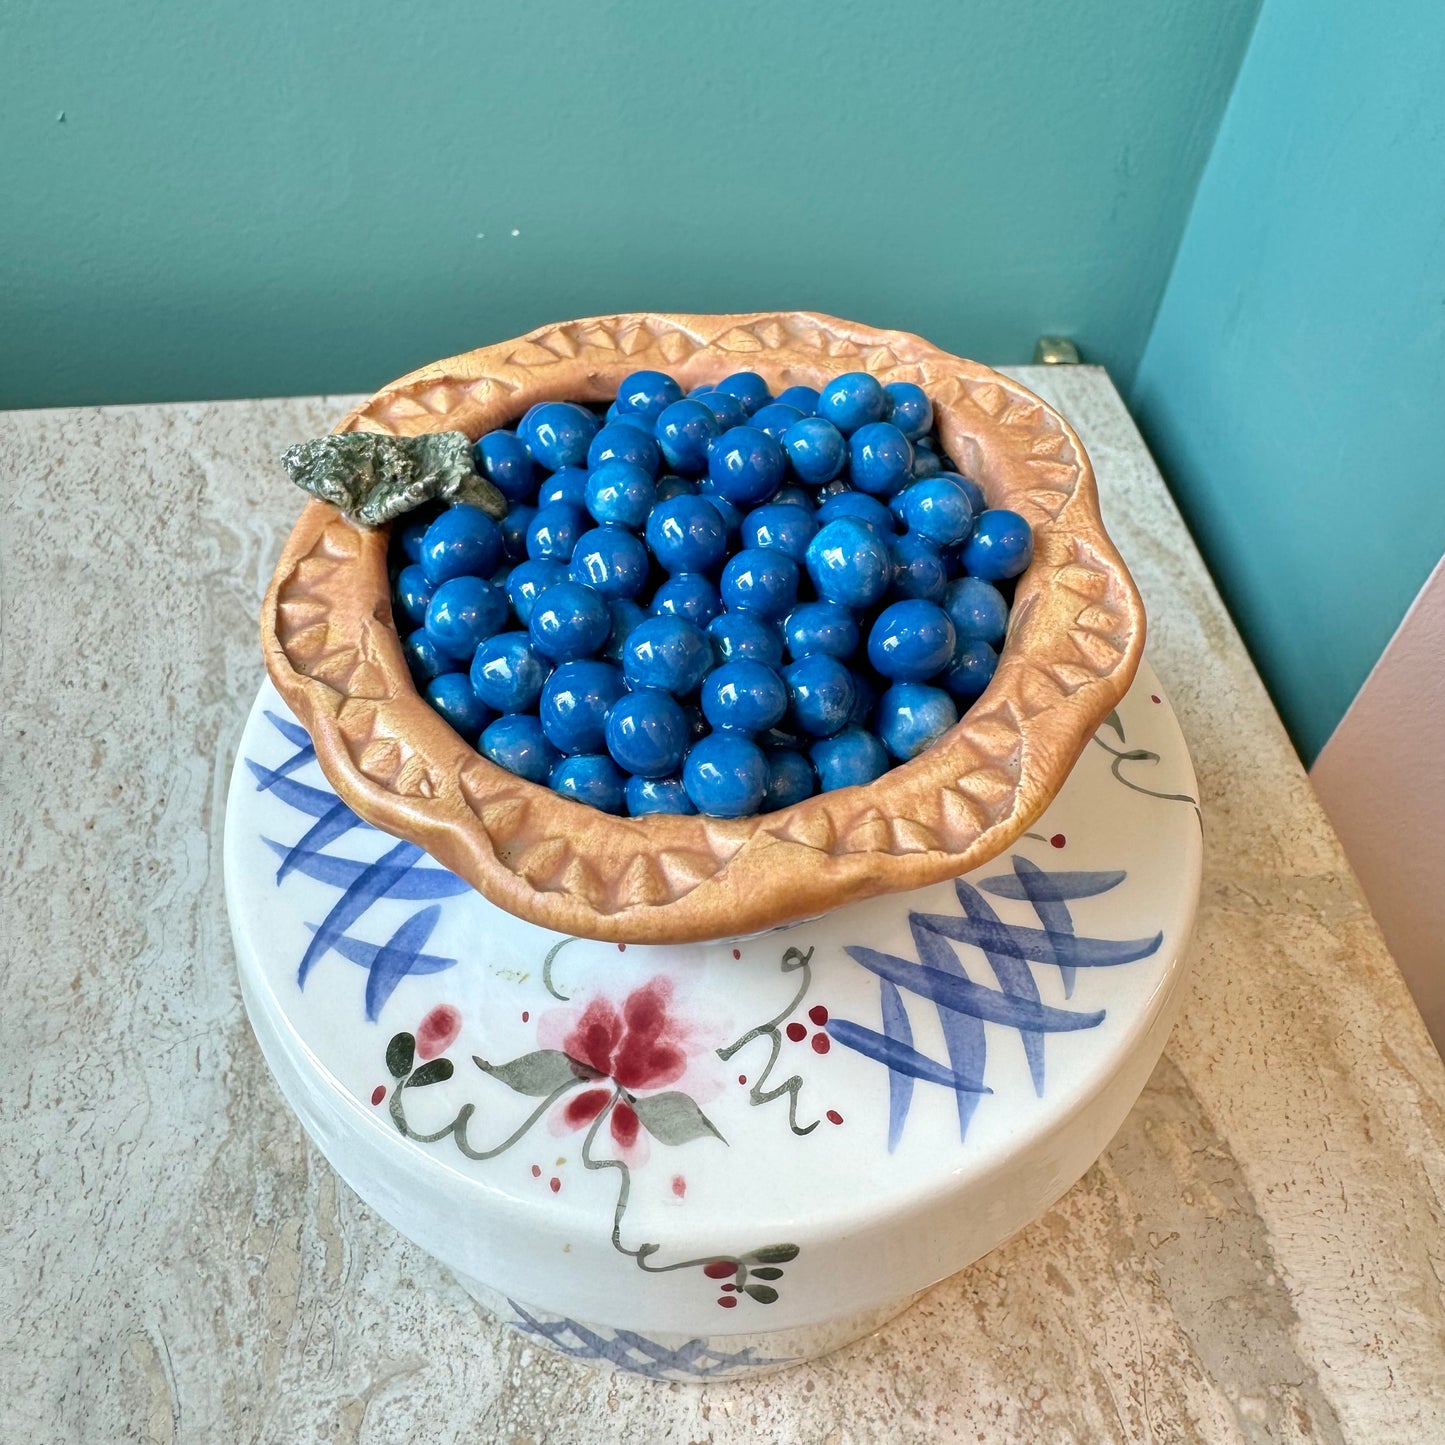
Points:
(1257, 1256)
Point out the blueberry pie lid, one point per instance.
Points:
(1076, 634)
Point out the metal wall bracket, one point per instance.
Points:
(1055, 351)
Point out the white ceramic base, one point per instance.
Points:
(705, 1160)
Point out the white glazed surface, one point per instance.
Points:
(875, 1207)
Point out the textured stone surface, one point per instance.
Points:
(1257, 1256)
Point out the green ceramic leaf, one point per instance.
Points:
(436, 1072)
(374, 478)
(765, 1294)
(673, 1118)
(399, 1055)
(1112, 721)
(775, 1253)
(537, 1074)
(767, 1272)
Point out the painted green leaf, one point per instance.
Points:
(767, 1272)
(374, 478)
(775, 1253)
(538, 1074)
(436, 1072)
(399, 1055)
(1112, 721)
(673, 1118)
(765, 1294)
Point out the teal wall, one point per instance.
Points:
(1294, 382)
(294, 197)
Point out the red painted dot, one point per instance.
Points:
(742, 1078)
(1153, 697)
(720, 1269)
(622, 948)
(728, 1301)
(737, 953)
(679, 1185)
(536, 1171)
(797, 1032)
(525, 1015)
(378, 1093)
(1058, 840)
(731, 1287)
(818, 1014)
(821, 1043)
(834, 1117)
(554, 1184)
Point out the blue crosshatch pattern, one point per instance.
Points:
(398, 874)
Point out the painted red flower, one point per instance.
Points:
(437, 1031)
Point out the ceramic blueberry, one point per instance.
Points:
(907, 406)
(647, 394)
(729, 512)
(507, 672)
(463, 613)
(925, 463)
(881, 458)
(743, 696)
(685, 431)
(686, 534)
(657, 795)
(782, 528)
(978, 609)
(624, 442)
(647, 734)
(974, 664)
(620, 492)
(462, 541)
(746, 465)
(554, 532)
(574, 704)
(726, 776)
(568, 484)
(612, 561)
(775, 419)
(557, 433)
(728, 410)
(804, 398)
(1001, 546)
(503, 459)
(816, 449)
(424, 659)
(849, 563)
(689, 595)
(918, 570)
(745, 636)
(627, 616)
(790, 779)
(848, 759)
(408, 532)
(912, 716)
(748, 388)
(821, 693)
(528, 580)
(591, 778)
(517, 743)
(671, 486)
(860, 506)
(514, 531)
(568, 621)
(937, 509)
(452, 696)
(667, 652)
(911, 641)
(852, 400)
(413, 592)
(756, 580)
(821, 627)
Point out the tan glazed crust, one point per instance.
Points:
(1075, 639)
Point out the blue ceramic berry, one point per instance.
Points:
(732, 518)
(791, 496)
(974, 493)
(568, 485)
(911, 641)
(746, 697)
(424, 659)
(684, 432)
(554, 532)
(908, 408)
(672, 486)
(557, 433)
(973, 667)
(689, 595)
(918, 570)
(820, 693)
(816, 449)
(913, 716)
(868, 510)
(865, 699)
(746, 465)
(790, 779)
(462, 542)
(568, 621)
(849, 759)
(527, 581)
(726, 776)
(686, 534)
(625, 442)
(514, 531)
(503, 459)
(627, 616)
(804, 398)
(849, 563)
(412, 593)
(592, 778)
(821, 627)
(407, 534)
(1001, 546)
(575, 702)
(611, 560)
(745, 636)
(452, 696)
(978, 610)
(647, 734)
(669, 653)
(938, 509)
(925, 463)
(621, 492)
(725, 407)
(775, 419)
(748, 387)
(657, 795)
(760, 581)
(881, 459)
(642, 423)
(647, 394)
(516, 742)
(463, 613)
(852, 400)
(781, 528)
(507, 673)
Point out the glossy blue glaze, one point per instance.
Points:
(880, 459)
(868, 510)
(424, 659)
(911, 640)
(974, 664)
(726, 776)
(411, 594)
(775, 419)
(406, 536)
(918, 570)
(925, 463)
(557, 433)
(508, 673)
(528, 580)
(852, 400)
(621, 492)
(817, 450)
(821, 627)
(568, 485)
(849, 759)
(670, 653)
(463, 613)
(804, 398)
(450, 693)
(516, 742)
(689, 595)
(514, 531)
(792, 495)
(657, 795)
(462, 542)
(738, 636)
(790, 779)
(973, 491)
(612, 561)
(626, 616)
(821, 694)
(685, 431)
(647, 733)
(672, 485)
(647, 394)
(574, 705)
(554, 532)
(503, 459)
(849, 563)
(865, 699)
(621, 441)
(761, 581)
(750, 390)
(686, 534)
(780, 527)
(732, 517)
(569, 620)
(1001, 546)
(978, 610)
(912, 716)
(728, 410)
(937, 508)
(908, 408)
(746, 465)
(744, 696)
(591, 778)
